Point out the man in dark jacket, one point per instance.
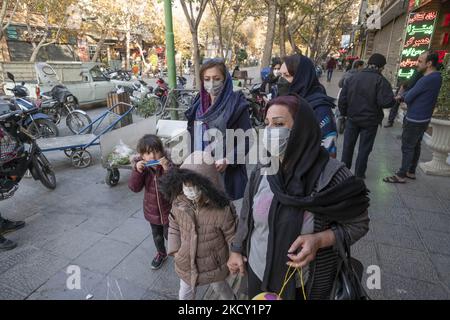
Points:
(362, 101)
(331, 65)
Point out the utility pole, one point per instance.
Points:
(170, 50)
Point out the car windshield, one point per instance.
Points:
(97, 74)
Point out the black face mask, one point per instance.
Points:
(283, 86)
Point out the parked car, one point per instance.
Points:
(85, 81)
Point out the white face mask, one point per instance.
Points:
(192, 193)
(214, 87)
(275, 140)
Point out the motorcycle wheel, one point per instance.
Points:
(43, 128)
(44, 170)
(185, 100)
(159, 107)
(77, 120)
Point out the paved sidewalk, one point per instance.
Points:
(102, 230)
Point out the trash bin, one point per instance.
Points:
(113, 99)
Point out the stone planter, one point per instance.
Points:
(440, 145)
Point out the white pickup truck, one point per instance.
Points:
(84, 80)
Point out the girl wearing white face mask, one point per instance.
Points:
(219, 107)
(202, 224)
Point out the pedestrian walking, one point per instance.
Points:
(292, 216)
(331, 65)
(269, 84)
(420, 100)
(361, 101)
(298, 75)
(202, 226)
(357, 66)
(404, 86)
(219, 107)
(156, 208)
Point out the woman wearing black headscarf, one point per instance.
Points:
(298, 75)
(292, 217)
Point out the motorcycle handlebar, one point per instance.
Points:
(8, 115)
(18, 112)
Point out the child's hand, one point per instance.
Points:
(221, 165)
(140, 166)
(135, 159)
(164, 163)
(236, 263)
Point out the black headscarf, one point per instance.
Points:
(293, 188)
(307, 85)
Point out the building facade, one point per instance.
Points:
(408, 28)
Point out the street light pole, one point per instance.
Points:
(170, 49)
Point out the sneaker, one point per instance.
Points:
(6, 244)
(158, 261)
(389, 125)
(7, 226)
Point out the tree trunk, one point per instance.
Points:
(219, 26)
(128, 39)
(2, 16)
(282, 33)
(294, 47)
(270, 35)
(141, 52)
(196, 54)
(35, 52)
(319, 21)
(99, 46)
(217, 11)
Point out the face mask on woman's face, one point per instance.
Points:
(192, 193)
(283, 86)
(275, 140)
(214, 87)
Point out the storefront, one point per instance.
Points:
(428, 27)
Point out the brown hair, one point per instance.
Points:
(291, 102)
(219, 63)
(292, 63)
(150, 143)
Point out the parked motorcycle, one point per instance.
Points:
(60, 102)
(121, 75)
(19, 152)
(257, 104)
(38, 124)
(137, 92)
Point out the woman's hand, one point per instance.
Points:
(236, 263)
(221, 165)
(307, 246)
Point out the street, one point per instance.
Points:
(87, 224)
